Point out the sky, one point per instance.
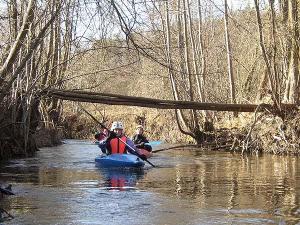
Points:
(113, 28)
(94, 21)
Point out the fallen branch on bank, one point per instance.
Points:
(3, 211)
(228, 146)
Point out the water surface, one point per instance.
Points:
(61, 185)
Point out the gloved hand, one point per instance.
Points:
(140, 145)
(112, 134)
(143, 157)
(97, 136)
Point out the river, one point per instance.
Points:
(61, 185)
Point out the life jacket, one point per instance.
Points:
(117, 146)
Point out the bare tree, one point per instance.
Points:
(22, 73)
(229, 55)
(268, 60)
(290, 11)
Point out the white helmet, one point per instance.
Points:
(117, 125)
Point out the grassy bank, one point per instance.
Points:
(246, 133)
(259, 133)
(159, 124)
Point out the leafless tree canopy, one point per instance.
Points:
(190, 50)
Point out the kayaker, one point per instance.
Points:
(114, 145)
(140, 140)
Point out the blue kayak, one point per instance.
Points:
(119, 160)
(154, 143)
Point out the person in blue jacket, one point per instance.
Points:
(140, 140)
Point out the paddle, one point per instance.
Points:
(174, 147)
(102, 125)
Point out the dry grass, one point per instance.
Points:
(263, 133)
(248, 132)
(159, 124)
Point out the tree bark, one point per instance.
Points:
(201, 54)
(179, 115)
(11, 58)
(292, 84)
(229, 55)
(275, 96)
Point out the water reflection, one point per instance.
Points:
(121, 179)
(262, 187)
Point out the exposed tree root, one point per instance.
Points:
(266, 133)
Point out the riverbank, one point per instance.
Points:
(47, 137)
(247, 133)
(259, 133)
(12, 145)
(158, 124)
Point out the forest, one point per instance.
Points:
(194, 51)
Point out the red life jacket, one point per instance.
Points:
(117, 146)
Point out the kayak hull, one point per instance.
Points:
(119, 160)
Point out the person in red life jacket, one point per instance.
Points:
(115, 143)
(140, 140)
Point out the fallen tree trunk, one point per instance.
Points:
(113, 99)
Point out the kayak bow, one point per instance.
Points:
(119, 160)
